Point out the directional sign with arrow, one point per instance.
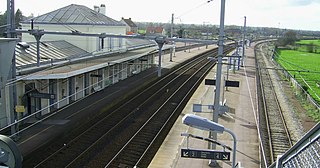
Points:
(205, 154)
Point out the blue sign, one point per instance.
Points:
(197, 108)
(205, 154)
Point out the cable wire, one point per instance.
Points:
(190, 10)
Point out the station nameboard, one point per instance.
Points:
(42, 95)
(96, 75)
(227, 83)
(232, 83)
(205, 154)
(210, 82)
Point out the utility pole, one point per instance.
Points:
(278, 30)
(171, 35)
(11, 34)
(207, 35)
(218, 77)
(244, 39)
(206, 27)
(10, 19)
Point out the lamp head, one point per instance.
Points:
(202, 123)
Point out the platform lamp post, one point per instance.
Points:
(244, 39)
(218, 77)
(160, 40)
(205, 124)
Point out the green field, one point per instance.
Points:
(304, 46)
(304, 66)
(315, 42)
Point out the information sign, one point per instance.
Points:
(205, 154)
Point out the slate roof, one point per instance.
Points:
(129, 22)
(75, 15)
(49, 51)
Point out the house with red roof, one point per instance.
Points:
(155, 31)
(131, 27)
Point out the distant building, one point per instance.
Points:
(151, 30)
(78, 18)
(131, 27)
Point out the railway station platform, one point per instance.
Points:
(241, 119)
(71, 116)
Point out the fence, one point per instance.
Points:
(299, 90)
(305, 153)
(61, 104)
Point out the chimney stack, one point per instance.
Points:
(102, 9)
(96, 8)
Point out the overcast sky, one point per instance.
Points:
(290, 14)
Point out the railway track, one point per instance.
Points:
(276, 137)
(187, 47)
(98, 141)
(136, 151)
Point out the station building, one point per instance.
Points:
(78, 19)
(71, 67)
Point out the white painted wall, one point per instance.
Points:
(110, 73)
(89, 44)
(44, 88)
(63, 92)
(79, 86)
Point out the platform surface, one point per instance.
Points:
(241, 119)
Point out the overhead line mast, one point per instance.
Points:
(12, 34)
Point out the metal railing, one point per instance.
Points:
(62, 103)
(298, 88)
(305, 153)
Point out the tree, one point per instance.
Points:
(3, 23)
(310, 47)
(180, 32)
(289, 38)
(3, 19)
(18, 18)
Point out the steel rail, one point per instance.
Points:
(272, 111)
(141, 158)
(147, 122)
(73, 140)
(124, 119)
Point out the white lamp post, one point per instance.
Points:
(205, 124)
(218, 74)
